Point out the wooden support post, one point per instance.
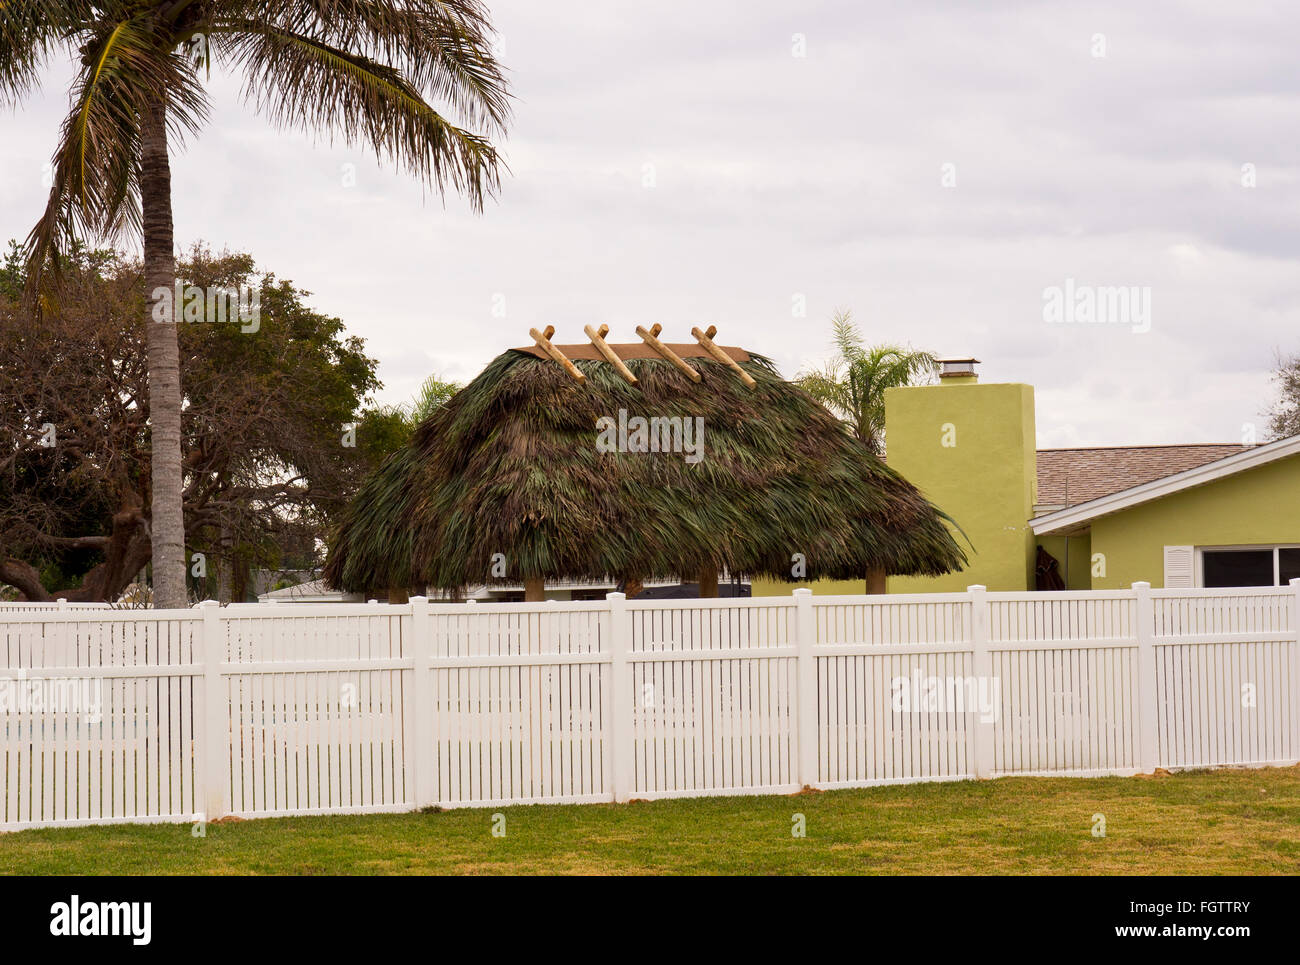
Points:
(651, 339)
(598, 340)
(534, 590)
(876, 580)
(706, 342)
(708, 583)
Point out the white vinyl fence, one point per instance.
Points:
(172, 715)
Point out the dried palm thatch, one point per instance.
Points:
(510, 465)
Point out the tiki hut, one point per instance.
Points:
(632, 462)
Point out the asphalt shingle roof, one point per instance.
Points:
(1067, 477)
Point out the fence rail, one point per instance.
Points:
(158, 715)
(61, 604)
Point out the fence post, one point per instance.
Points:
(1295, 672)
(1148, 741)
(215, 747)
(982, 665)
(419, 709)
(806, 676)
(621, 707)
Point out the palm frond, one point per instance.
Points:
(829, 388)
(433, 395)
(95, 168)
(30, 32)
(301, 81)
(846, 337)
(364, 70)
(443, 47)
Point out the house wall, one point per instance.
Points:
(986, 481)
(1075, 557)
(1259, 505)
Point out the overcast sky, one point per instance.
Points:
(729, 161)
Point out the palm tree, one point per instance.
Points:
(362, 70)
(435, 392)
(853, 383)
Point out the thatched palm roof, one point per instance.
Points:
(510, 465)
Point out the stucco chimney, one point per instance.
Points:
(970, 448)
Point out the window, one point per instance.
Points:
(1237, 567)
(1250, 566)
(1288, 559)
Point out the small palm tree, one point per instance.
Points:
(853, 383)
(358, 69)
(434, 393)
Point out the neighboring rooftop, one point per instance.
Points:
(1078, 516)
(313, 591)
(1067, 477)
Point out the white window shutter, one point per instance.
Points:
(1180, 567)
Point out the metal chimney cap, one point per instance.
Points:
(952, 368)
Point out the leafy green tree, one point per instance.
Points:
(265, 430)
(364, 70)
(853, 383)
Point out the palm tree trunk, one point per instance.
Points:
(167, 516)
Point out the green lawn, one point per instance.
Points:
(1207, 822)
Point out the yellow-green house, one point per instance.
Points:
(1086, 518)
